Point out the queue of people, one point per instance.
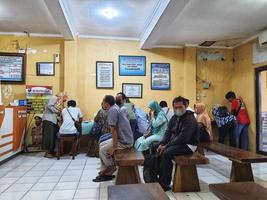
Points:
(165, 132)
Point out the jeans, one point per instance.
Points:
(231, 128)
(242, 136)
(166, 164)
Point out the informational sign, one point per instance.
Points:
(104, 74)
(11, 67)
(37, 97)
(132, 90)
(160, 76)
(132, 65)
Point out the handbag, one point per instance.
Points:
(96, 130)
(77, 124)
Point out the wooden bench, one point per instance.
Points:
(241, 170)
(74, 140)
(241, 190)
(186, 177)
(149, 191)
(128, 160)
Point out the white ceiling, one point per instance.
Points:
(225, 21)
(130, 21)
(156, 23)
(26, 15)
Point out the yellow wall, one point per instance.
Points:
(52, 46)
(243, 83)
(80, 69)
(219, 73)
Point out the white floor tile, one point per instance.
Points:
(207, 196)
(11, 195)
(54, 173)
(187, 196)
(72, 172)
(8, 180)
(37, 195)
(4, 187)
(66, 186)
(88, 184)
(69, 178)
(19, 187)
(61, 194)
(28, 180)
(87, 194)
(34, 173)
(14, 174)
(49, 179)
(43, 186)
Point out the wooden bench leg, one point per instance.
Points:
(241, 172)
(185, 179)
(128, 175)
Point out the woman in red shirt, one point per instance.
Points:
(240, 111)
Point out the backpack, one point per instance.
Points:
(142, 122)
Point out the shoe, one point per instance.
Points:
(166, 188)
(103, 178)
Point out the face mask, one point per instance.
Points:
(179, 113)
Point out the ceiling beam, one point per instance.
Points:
(164, 14)
(61, 15)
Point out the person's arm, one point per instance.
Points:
(51, 105)
(187, 131)
(114, 137)
(113, 116)
(159, 120)
(168, 133)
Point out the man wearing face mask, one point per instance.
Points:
(181, 131)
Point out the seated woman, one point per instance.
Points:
(69, 116)
(156, 131)
(204, 122)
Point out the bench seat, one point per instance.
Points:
(186, 177)
(127, 161)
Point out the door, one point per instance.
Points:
(261, 109)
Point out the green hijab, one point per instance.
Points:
(153, 105)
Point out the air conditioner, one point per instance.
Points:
(263, 38)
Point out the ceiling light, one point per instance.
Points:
(109, 13)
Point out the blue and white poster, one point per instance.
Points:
(132, 65)
(160, 76)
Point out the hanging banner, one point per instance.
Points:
(37, 97)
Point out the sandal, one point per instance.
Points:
(103, 178)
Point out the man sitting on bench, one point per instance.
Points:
(182, 130)
(122, 138)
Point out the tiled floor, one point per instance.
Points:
(33, 177)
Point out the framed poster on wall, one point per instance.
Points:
(160, 76)
(45, 69)
(104, 75)
(133, 90)
(132, 65)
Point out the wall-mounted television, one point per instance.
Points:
(12, 67)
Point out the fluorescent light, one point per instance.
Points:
(109, 13)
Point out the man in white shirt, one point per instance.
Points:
(70, 115)
(168, 111)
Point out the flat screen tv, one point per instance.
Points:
(12, 67)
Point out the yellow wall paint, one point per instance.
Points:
(243, 83)
(80, 69)
(190, 74)
(52, 45)
(219, 73)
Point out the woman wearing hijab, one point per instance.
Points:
(156, 130)
(204, 122)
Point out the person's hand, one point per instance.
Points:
(151, 114)
(161, 149)
(111, 151)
